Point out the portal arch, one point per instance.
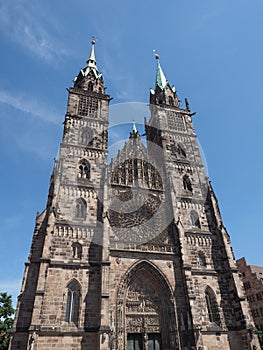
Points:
(145, 310)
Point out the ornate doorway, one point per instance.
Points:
(145, 311)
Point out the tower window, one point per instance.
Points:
(187, 184)
(171, 101)
(84, 169)
(72, 307)
(86, 136)
(90, 86)
(201, 259)
(77, 250)
(181, 151)
(88, 106)
(195, 219)
(81, 208)
(212, 307)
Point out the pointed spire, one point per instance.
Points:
(91, 62)
(161, 80)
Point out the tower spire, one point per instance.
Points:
(91, 62)
(91, 65)
(161, 80)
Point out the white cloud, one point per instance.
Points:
(21, 22)
(33, 107)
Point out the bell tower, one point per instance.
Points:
(60, 299)
(218, 312)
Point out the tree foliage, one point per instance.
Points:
(6, 319)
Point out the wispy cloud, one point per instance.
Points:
(33, 107)
(21, 22)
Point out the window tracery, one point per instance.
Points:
(84, 169)
(72, 307)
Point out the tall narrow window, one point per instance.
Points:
(72, 308)
(76, 250)
(212, 307)
(195, 219)
(81, 208)
(187, 184)
(90, 86)
(84, 169)
(201, 259)
(181, 151)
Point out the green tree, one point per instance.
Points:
(6, 319)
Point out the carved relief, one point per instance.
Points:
(145, 306)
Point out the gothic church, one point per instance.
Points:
(132, 254)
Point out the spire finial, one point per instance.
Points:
(156, 54)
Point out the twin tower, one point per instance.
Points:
(132, 254)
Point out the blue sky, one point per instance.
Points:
(211, 50)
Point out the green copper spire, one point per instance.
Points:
(160, 77)
(91, 63)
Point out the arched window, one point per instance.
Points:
(195, 219)
(77, 250)
(181, 151)
(212, 307)
(86, 136)
(187, 184)
(201, 259)
(100, 90)
(90, 86)
(171, 101)
(81, 208)
(72, 308)
(84, 169)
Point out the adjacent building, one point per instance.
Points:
(252, 277)
(132, 254)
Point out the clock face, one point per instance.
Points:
(136, 216)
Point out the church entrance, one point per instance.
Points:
(145, 311)
(138, 341)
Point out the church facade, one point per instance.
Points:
(132, 254)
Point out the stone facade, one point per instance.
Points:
(252, 277)
(130, 255)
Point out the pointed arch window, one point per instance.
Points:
(84, 169)
(181, 151)
(86, 136)
(195, 219)
(212, 307)
(201, 259)
(187, 184)
(171, 101)
(72, 307)
(81, 209)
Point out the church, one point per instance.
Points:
(130, 254)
